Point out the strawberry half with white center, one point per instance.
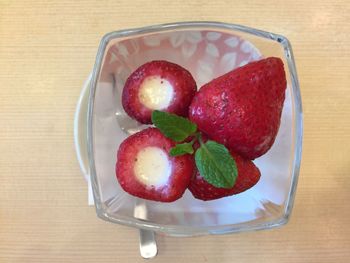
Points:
(158, 85)
(242, 109)
(145, 169)
(248, 176)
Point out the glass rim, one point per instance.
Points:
(297, 135)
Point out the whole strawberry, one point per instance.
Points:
(248, 176)
(242, 109)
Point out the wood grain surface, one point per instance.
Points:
(47, 49)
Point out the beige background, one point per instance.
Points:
(47, 49)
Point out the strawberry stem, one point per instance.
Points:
(199, 138)
(193, 140)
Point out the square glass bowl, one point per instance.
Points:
(207, 50)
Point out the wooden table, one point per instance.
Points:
(47, 49)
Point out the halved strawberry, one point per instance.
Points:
(158, 85)
(248, 176)
(242, 109)
(145, 169)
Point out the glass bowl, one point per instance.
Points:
(207, 50)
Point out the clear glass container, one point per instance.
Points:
(207, 50)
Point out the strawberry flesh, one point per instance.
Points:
(182, 167)
(179, 80)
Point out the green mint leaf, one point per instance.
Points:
(181, 149)
(216, 164)
(172, 126)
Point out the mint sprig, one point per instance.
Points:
(213, 160)
(181, 149)
(216, 164)
(172, 126)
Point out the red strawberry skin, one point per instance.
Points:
(183, 84)
(182, 167)
(242, 109)
(248, 176)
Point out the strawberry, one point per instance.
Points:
(242, 109)
(158, 85)
(248, 176)
(145, 169)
